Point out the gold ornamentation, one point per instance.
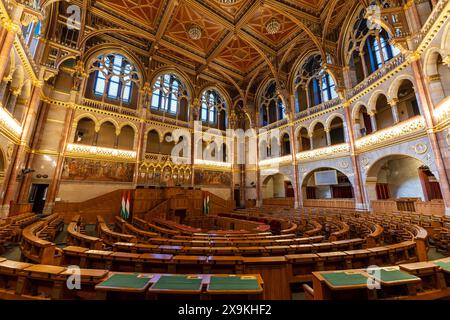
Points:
(421, 148)
(333, 151)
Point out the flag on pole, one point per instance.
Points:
(127, 206)
(205, 203)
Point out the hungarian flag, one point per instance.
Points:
(205, 203)
(125, 205)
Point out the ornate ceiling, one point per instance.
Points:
(233, 42)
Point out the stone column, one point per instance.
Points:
(363, 62)
(328, 137)
(311, 141)
(11, 185)
(12, 28)
(427, 106)
(140, 150)
(373, 121)
(360, 200)
(394, 108)
(53, 189)
(12, 101)
(26, 183)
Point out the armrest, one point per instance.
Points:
(309, 292)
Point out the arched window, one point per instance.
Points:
(272, 108)
(168, 93)
(114, 79)
(368, 49)
(313, 84)
(211, 108)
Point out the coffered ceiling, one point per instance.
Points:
(226, 39)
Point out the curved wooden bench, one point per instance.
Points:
(76, 238)
(109, 237)
(37, 250)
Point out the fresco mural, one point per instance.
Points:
(95, 170)
(212, 178)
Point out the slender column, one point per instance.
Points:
(56, 180)
(327, 133)
(363, 62)
(380, 48)
(3, 85)
(427, 107)
(394, 108)
(373, 121)
(295, 184)
(12, 28)
(12, 184)
(311, 141)
(12, 101)
(36, 140)
(359, 190)
(140, 150)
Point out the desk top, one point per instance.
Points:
(393, 276)
(420, 267)
(45, 269)
(178, 284)
(235, 284)
(136, 282)
(9, 264)
(444, 265)
(342, 280)
(75, 249)
(88, 273)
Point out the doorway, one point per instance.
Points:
(38, 197)
(237, 198)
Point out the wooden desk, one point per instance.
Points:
(237, 287)
(339, 284)
(124, 285)
(429, 272)
(172, 286)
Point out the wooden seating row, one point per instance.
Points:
(424, 280)
(251, 248)
(76, 237)
(278, 272)
(109, 236)
(25, 281)
(37, 250)
(147, 226)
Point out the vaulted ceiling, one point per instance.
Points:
(234, 41)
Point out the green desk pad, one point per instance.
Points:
(443, 265)
(341, 279)
(132, 281)
(392, 275)
(233, 283)
(178, 283)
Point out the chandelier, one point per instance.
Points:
(273, 26)
(194, 32)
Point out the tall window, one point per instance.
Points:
(167, 93)
(211, 106)
(328, 87)
(272, 108)
(114, 77)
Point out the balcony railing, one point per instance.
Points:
(319, 108)
(94, 151)
(437, 10)
(400, 130)
(109, 107)
(168, 120)
(326, 152)
(165, 158)
(377, 75)
(276, 161)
